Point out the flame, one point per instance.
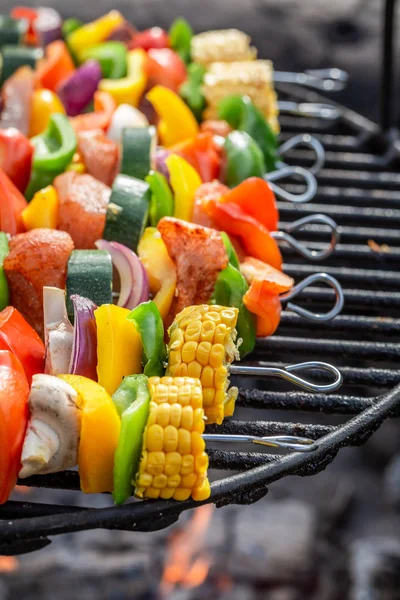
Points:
(187, 564)
(8, 564)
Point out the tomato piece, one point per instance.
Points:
(202, 154)
(266, 305)
(17, 336)
(155, 37)
(275, 281)
(257, 199)
(16, 153)
(14, 391)
(165, 67)
(11, 206)
(255, 238)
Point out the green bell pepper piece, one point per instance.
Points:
(244, 158)
(191, 91)
(242, 114)
(133, 396)
(229, 290)
(150, 326)
(162, 199)
(180, 38)
(230, 250)
(112, 57)
(69, 26)
(4, 295)
(54, 149)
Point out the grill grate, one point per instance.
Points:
(357, 188)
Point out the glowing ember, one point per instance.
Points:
(187, 564)
(8, 564)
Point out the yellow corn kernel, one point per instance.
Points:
(176, 415)
(201, 493)
(143, 462)
(152, 420)
(203, 353)
(225, 45)
(221, 334)
(187, 418)
(144, 480)
(198, 444)
(184, 441)
(160, 481)
(174, 481)
(173, 463)
(198, 420)
(195, 369)
(177, 339)
(155, 438)
(207, 331)
(152, 493)
(187, 465)
(207, 377)
(201, 463)
(170, 439)
(155, 463)
(228, 317)
(189, 351)
(175, 357)
(217, 355)
(193, 331)
(208, 399)
(220, 378)
(197, 396)
(182, 494)
(188, 481)
(163, 414)
(167, 493)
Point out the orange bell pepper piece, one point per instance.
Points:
(256, 198)
(266, 305)
(254, 237)
(56, 67)
(100, 118)
(253, 269)
(202, 154)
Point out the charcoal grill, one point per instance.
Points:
(358, 187)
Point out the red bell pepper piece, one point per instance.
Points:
(100, 118)
(155, 37)
(16, 153)
(165, 67)
(56, 67)
(256, 198)
(14, 392)
(11, 206)
(254, 237)
(17, 336)
(30, 15)
(202, 154)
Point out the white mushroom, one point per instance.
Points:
(52, 438)
(58, 331)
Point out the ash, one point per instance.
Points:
(334, 536)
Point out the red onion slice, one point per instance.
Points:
(48, 26)
(133, 277)
(78, 90)
(84, 349)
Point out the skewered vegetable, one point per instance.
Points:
(202, 345)
(16, 157)
(58, 332)
(149, 325)
(42, 211)
(52, 438)
(4, 294)
(174, 463)
(89, 274)
(184, 182)
(11, 207)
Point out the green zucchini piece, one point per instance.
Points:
(89, 274)
(4, 294)
(14, 57)
(127, 211)
(12, 30)
(138, 144)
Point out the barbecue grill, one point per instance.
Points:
(358, 188)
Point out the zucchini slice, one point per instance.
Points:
(90, 275)
(138, 144)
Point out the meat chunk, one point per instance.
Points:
(37, 258)
(83, 204)
(100, 155)
(199, 255)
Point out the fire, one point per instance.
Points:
(8, 564)
(187, 564)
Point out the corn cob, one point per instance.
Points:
(253, 78)
(202, 345)
(225, 45)
(174, 463)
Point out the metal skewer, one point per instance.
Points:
(307, 314)
(327, 80)
(291, 442)
(284, 236)
(317, 110)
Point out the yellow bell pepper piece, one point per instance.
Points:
(100, 428)
(77, 164)
(160, 269)
(185, 181)
(119, 346)
(95, 32)
(129, 89)
(42, 211)
(44, 104)
(177, 120)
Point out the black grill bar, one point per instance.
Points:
(361, 235)
(263, 428)
(345, 323)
